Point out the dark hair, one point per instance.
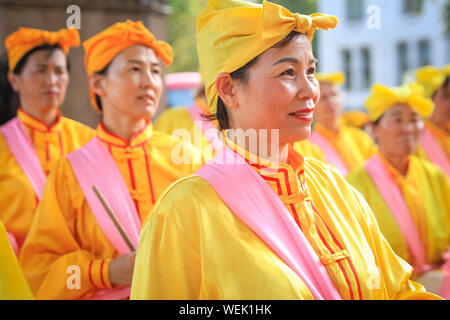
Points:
(444, 85)
(242, 74)
(97, 97)
(9, 99)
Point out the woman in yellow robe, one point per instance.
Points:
(396, 116)
(38, 74)
(436, 83)
(125, 78)
(193, 246)
(348, 146)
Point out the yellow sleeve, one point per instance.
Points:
(51, 258)
(393, 271)
(13, 285)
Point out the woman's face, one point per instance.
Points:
(398, 131)
(132, 85)
(43, 81)
(329, 107)
(281, 92)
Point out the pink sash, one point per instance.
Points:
(94, 166)
(23, 150)
(331, 155)
(210, 132)
(14, 244)
(434, 151)
(257, 205)
(397, 205)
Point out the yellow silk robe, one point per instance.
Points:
(65, 231)
(352, 144)
(309, 149)
(180, 118)
(13, 285)
(193, 247)
(18, 201)
(442, 138)
(426, 190)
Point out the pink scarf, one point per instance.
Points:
(93, 165)
(21, 146)
(257, 205)
(434, 151)
(394, 199)
(331, 155)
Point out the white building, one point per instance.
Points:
(381, 41)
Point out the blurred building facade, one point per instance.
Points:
(382, 41)
(95, 15)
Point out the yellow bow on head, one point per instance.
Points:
(432, 78)
(230, 33)
(382, 98)
(337, 78)
(20, 42)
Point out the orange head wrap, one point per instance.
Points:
(20, 42)
(104, 46)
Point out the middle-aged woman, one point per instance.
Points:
(245, 227)
(128, 163)
(409, 196)
(435, 139)
(344, 146)
(37, 136)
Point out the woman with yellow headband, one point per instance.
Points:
(247, 226)
(37, 135)
(435, 140)
(409, 196)
(97, 197)
(344, 147)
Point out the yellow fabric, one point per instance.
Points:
(17, 198)
(104, 46)
(352, 144)
(432, 78)
(230, 33)
(23, 40)
(193, 247)
(337, 78)
(74, 237)
(426, 190)
(180, 118)
(13, 285)
(382, 98)
(308, 149)
(442, 137)
(356, 119)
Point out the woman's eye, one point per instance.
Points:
(289, 72)
(135, 69)
(311, 70)
(156, 71)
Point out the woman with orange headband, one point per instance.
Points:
(344, 147)
(97, 196)
(33, 140)
(263, 222)
(409, 196)
(435, 140)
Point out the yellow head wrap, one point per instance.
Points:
(102, 48)
(355, 118)
(20, 42)
(432, 78)
(337, 78)
(382, 98)
(230, 33)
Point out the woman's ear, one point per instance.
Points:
(14, 81)
(226, 88)
(96, 84)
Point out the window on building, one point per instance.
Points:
(402, 61)
(354, 10)
(347, 67)
(412, 6)
(424, 53)
(366, 68)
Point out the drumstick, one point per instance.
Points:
(114, 220)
